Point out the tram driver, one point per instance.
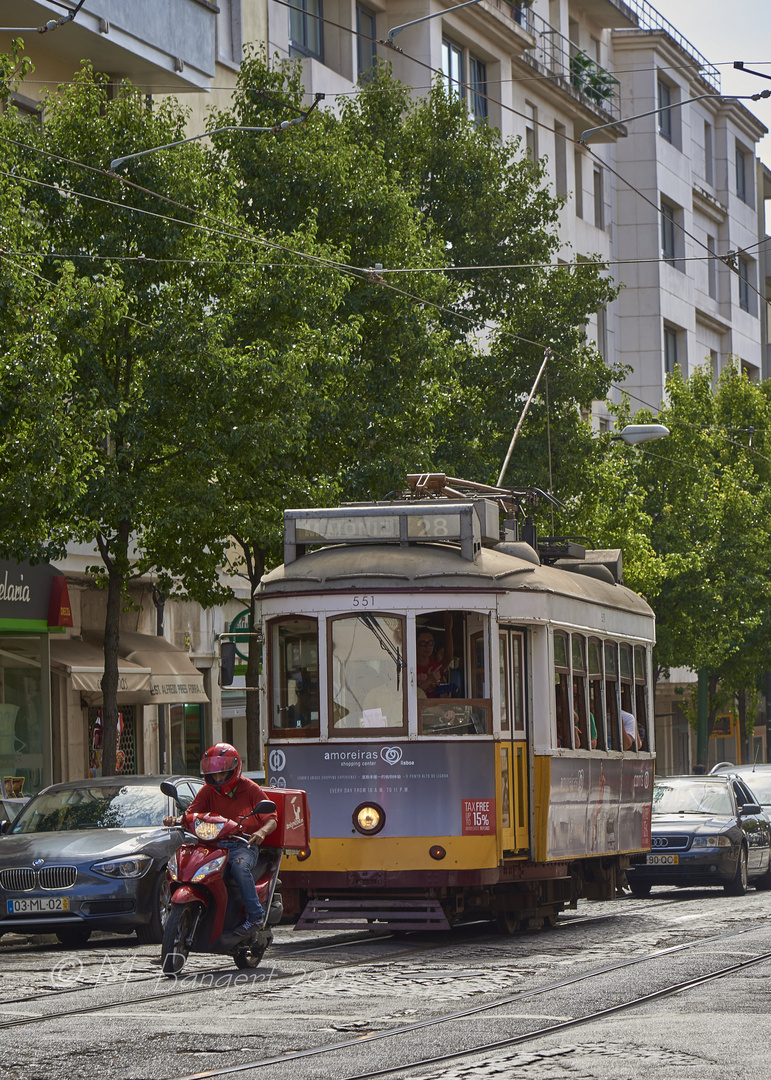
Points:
(433, 663)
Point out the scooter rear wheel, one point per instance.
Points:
(249, 956)
(175, 948)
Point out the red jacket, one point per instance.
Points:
(238, 804)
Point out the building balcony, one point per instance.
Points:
(571, 69)
(162, 47)
(649, 19)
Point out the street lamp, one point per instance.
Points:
(633, 434)
(675, 105)
(398, 29)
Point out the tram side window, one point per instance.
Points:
(451, 674)
(611, 696)
(294, 685)
(367, 681)
(561, 690)
(584, 735)
(596, 702)
(641, 696)
(627, 687)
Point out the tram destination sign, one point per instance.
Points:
(466, 523)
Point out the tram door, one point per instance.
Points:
(513, 750)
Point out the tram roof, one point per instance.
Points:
(438, 566)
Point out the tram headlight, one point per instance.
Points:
(303, 854)
(436, 851)
(368, 818)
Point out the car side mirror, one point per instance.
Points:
(265, 807)
(4, 827)
(750, 808)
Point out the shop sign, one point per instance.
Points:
(26, 594)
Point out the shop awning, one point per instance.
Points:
(84, 664)
(151, 671)
(174, 677)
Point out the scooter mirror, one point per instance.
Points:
(265, 807)
(168, 789)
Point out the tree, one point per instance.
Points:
(692, 514)
(123, 375)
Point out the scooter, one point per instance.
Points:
(206, 906)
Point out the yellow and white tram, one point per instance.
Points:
(472, 720)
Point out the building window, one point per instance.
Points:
(560, 159)
(478, 87)
(579, 168)
(452, 69)
(305, 37)
(668, 232)
(714, 361)
(744, 284)
(665, 116)
(602, 333)
(229, 45)
(366, 50)
(671, 359)
(531, 131)
(599, 199)
(712, 268)
(709, 155)
(744, 186)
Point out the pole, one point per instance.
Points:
(546, 357)
(702, 713)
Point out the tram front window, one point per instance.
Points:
(367, 684)
(294, 661)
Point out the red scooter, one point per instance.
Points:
(205, 908)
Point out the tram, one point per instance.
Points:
(456, 696)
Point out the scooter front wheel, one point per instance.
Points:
(175, 948)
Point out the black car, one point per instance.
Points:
(91, 855)
(705, 830)
(756, 777)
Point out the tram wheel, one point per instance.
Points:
(506, 923)
(550, 920)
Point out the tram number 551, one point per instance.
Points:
(363, 601)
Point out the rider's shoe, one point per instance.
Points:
(249, 926)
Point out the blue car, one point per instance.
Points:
(91, 855)
(705, 830)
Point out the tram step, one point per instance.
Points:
(341, 914)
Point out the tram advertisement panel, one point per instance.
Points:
(426, 789)
(599, 806)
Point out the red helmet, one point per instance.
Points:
(222, 757)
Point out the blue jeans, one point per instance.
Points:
(242, 861)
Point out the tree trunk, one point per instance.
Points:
(115, 561)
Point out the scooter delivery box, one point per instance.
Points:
(294, 823)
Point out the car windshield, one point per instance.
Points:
(93, 806)
(692, 797)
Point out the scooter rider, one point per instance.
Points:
(234, 796)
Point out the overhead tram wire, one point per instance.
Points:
(357, 272)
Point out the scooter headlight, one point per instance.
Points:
(207, 830)
(171, 866)
(210, 868)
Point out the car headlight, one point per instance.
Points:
(210, 868)
(132, 866)
(711, 842)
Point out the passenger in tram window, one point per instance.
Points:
(300, 713)
(433, 663)
(632, 739)
(592, 732)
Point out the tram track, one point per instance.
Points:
(510, 999)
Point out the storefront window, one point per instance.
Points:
(186, 726)
(24, 735)
(125, 752)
